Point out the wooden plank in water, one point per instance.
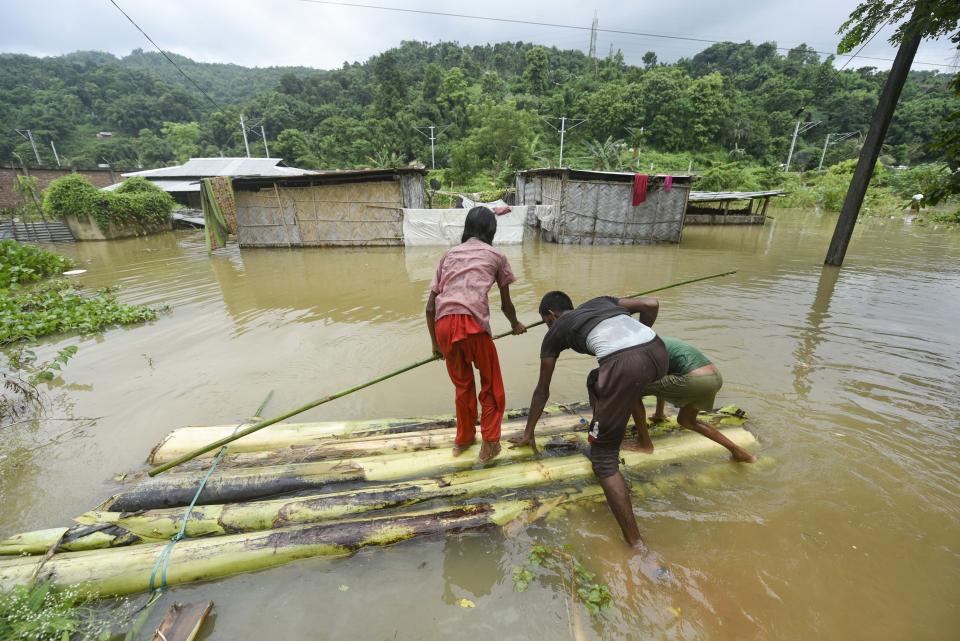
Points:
(182, 621)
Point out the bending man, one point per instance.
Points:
(691, 383)
(630, 356)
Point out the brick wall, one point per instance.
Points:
(8, 179)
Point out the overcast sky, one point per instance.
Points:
(298, 32)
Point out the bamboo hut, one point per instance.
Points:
(356, 207)
(578, 207)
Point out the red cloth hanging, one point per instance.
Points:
(667, 183)
(639, 188)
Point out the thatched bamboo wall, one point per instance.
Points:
(594, 208)
(305, 213)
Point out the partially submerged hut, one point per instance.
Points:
(581, 207)
(720, 207)
(353, 207)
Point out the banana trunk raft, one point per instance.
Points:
(237, 526)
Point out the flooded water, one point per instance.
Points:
(850, 529)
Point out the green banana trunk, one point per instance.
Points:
(100, 529)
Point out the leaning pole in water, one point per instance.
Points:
(326, 399)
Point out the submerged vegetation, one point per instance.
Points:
(42, 612)
(58, 306)
(577, 580)
(34, 304)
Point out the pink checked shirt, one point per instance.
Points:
(465, 275)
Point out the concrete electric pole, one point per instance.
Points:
(563, 129)
(870, 150)
(431, 134)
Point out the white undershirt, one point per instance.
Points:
(619, 332)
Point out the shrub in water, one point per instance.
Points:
(136, 203)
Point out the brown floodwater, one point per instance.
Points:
(850, 529)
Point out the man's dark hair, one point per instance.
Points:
(555, 301)
(481, 223)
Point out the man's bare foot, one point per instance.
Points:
(460, 449)
(637, 446)
(743, 456)
(489, 451)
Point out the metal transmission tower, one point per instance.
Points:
(836, 138)
(593, 41)
(799, 129)
(29, 136)
(563, 129)
(431, 132)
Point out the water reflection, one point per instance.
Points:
(812, 335)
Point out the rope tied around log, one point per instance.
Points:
(164, 559)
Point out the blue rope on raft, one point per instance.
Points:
(164, 559)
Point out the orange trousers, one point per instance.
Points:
(465, 346)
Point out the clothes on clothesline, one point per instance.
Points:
(639, 188)
(667, 183)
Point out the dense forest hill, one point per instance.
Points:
(729, 102)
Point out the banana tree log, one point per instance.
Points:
(367, 446)
(100, 529)
(187, 439)
(128, 570)
(243, 484)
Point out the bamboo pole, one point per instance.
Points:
(326, 399)
(100, 529)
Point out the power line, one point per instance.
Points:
(535, 23)
(169, 59)
(857, 52)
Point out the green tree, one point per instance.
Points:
(500, 143)
(183, 138)
(293, 146)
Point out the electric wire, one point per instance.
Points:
(535, 23)
(169, 59)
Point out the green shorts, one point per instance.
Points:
(699, 391)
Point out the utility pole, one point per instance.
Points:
(593, 42)
(563, 128)
(799, 129)
(432, 135)
(638, 135)
(55, 154)
(839, 138)
(29, 136)
(246, 143)
(874, 141)
(264, 134)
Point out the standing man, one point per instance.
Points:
(630, 356)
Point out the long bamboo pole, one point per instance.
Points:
(357, 388)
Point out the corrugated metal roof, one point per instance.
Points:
(205, 167)
(166, 185)
(323, 176)
(721, 196)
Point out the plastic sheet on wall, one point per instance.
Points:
(445, 226)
